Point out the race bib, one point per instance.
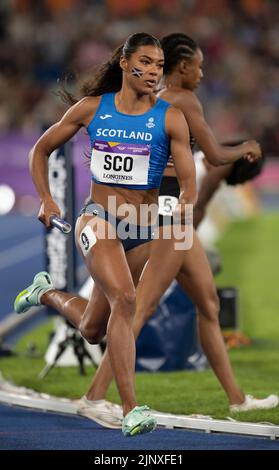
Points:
(167, 204)
(114, 162)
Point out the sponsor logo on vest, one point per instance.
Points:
(108, 176)
(150, 123)
(106, 116)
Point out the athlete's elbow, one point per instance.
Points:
(216, 158)
(37, 152)
(34, 152)
(31, 157)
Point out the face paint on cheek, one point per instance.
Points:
(137, 72)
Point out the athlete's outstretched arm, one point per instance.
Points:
(216, 154)
(180, 150)
(76, 117)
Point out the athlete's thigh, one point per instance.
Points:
(98, 309)
(162, 267)
(98, 302)
(195, 275)
(104, 257)
(137, 258)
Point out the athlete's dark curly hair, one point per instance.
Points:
(176, 47)
(243, 170)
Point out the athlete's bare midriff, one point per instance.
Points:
(140, 200)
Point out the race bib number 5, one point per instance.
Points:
(167, 204)
(114, 162)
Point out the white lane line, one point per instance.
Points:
(21, 252)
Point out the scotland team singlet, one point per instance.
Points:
(130, 151)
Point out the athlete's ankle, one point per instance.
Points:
(94, 397)
(128, 407)
(45, 296)
(237, 398)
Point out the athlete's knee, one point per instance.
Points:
(91, 335)
(211, 306)
(124, 300)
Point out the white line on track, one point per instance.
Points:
(21, 252)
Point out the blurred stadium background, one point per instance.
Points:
(43, 42)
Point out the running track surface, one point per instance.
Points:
(22, 429)
(21, 256)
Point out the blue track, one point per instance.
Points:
(21, 256)
(33, 430)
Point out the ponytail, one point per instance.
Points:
(108, 77)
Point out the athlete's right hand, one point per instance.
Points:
(48, 208)
(183, 213)
(254, 151)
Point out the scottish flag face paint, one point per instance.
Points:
(137, 72)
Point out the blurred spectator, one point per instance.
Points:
(41, 42)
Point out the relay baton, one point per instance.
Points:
(61, 224)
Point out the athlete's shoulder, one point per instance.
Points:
(161, 102)
(82, 111)
(88, 105)
(174, 113)
(186, 99)
(175, 120)
(181, 98)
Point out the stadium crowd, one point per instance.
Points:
(51, 40)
